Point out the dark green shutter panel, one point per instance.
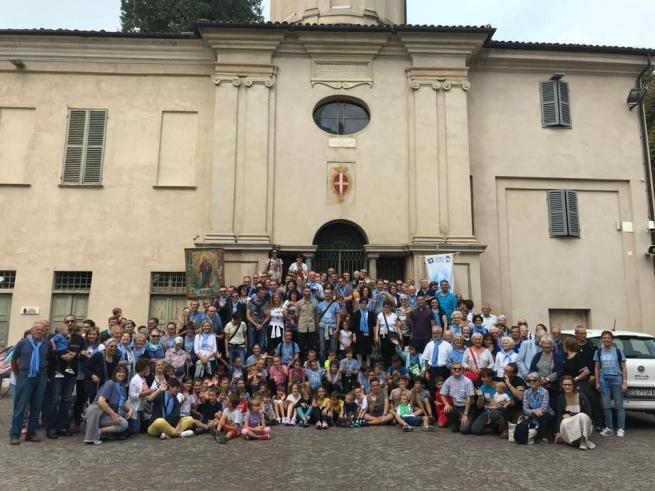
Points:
(557, 213)
(74, 146)
(564, 104)
(573, 218)
(84, 146)
(549, 104)
(95, 147)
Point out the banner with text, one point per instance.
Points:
(440, 267)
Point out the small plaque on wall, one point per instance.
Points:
(342, 74)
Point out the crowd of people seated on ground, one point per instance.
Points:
(316, 349)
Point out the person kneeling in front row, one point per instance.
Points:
(462, 391)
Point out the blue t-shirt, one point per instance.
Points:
(402, 370)
(609, 363)
(330, 316)
(61, 342)
(349, 366)
(112, 392)
(314, 377)
(448, 303)
(286, 352)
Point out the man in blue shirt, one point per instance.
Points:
(327, 318)
(447, 300)
(29, 364)
(287, 350)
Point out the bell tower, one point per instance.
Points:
(367, 12)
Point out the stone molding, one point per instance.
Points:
(248, 81)
(439, 83)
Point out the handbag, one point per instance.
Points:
(391, 334)
(375, 356)
(474, 377)
(521, 432)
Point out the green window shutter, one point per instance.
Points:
(549, 104)
(74, 146)
(564, 104)
(557, 213)
(95, 147)
(573, 219)
(85, 143)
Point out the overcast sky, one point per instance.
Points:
(608, 22)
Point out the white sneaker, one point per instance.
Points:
(620, 433)
(58, 375)
(607, 432)
(187, 433)
(583, 446)
(590, 445)
(164, 436)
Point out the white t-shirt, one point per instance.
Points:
(391, 321)
(233, 417)
(294, 267)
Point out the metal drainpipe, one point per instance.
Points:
(644, 142)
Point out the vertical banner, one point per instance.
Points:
(440, 267)
(204, 272)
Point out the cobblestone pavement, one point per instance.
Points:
(361, 459)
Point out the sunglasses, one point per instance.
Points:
(154, 336)
(456, 369)
(69, 322)
(533, 380)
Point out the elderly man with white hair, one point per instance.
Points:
(488, 319)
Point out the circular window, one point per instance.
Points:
(341, 117)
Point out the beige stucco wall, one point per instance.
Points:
(122, 231)
(261, 167)
(514, 161)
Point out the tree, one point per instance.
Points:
(175, 16)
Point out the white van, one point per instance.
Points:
(639, 351)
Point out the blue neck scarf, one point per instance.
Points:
(204, 339)
(435, 314)
(435, 353)
(363, 325)
(121, 395)
(34, 361)
(139, 353)
(167, 407)
(123, 351)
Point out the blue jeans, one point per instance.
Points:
(237, 350)
(134, 424)
(256, 337)
(323, 344)
(57, 402)
(29, 395)
(612, 390)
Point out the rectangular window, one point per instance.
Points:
(167, 297)
(7, 280)
(563, 216)
(70, 295)
(85, 144)
(66, 281)
(555, 104)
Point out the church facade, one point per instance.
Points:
(336, 131)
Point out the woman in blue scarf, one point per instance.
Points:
(100, 366)
(109, 412)
(92, 345)
(440, 319)
(362, 324)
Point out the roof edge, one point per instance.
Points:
(577, 48)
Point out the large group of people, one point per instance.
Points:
(318, 349)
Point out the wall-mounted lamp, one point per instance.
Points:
(635, 97)
(558, 76)
(18, 63)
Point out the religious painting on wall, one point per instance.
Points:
(204, 272)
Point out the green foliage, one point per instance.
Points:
(175, 16)
(649, 106)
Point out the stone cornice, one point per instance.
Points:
(251, 46)
(336, 44)
(515, 60)
(448, 50)
(90, 50)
